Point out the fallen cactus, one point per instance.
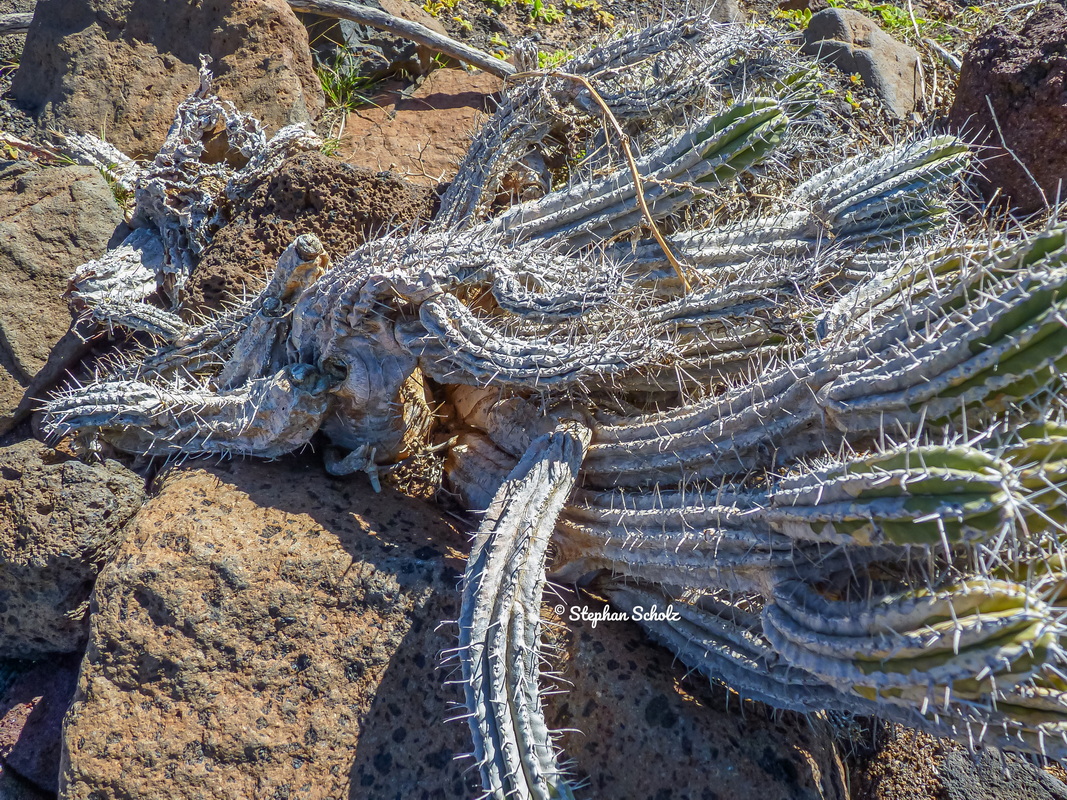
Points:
(837, 450)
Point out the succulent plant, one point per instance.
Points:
(828, 431)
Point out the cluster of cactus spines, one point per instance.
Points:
(650, 80)
(178, 196)
(840, 452)
(500, 619)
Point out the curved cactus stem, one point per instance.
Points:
(263, 345)
(711, 152)
(131, 272)
(691, 51)
(137, 316)
(456, 346)
(500, 620)
(862, 202)
(723, 641)
(266, 417)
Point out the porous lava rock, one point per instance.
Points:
(1017, 81)
(854, 43)
(311, 193)
(119, 68)
(905, 764)
(60, 519)
(260, 621)
(51, 220)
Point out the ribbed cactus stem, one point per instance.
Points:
(266, 416)
(861, 203)
(500, 620)
(712, 152)
(724, 643)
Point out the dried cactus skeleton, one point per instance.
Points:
(836, 445)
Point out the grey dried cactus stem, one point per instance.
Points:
(499, 620)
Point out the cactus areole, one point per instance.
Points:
(834, 438)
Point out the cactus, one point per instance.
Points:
(830, 434)
(500, 618)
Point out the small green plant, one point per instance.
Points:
(553, 59)
(343, 86)
(796, 18)
(465, 24)
(539, 12)
(330, 146)
(436, 7)
(498, 41)
(891, 16)
(123, 196)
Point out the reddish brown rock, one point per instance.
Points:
(424, 136)
(119, 69)
(52, 220)
(311, 193)
(266, 631)
(1024, 77)
(31, 720)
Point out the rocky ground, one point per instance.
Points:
(250, 629)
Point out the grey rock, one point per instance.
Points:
(51, 221)
(855, 44)
(992, 775)
(60, 520)
(120, 68)
(725, 11)
(12, 44)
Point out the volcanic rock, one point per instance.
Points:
(1017, 82)
(311, 193)
(31, 720)
(855, 44)
(421, 137)
(119, 69)
(51, 221)
(60, 519)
